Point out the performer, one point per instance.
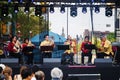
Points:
(28, 47)
(69, 52)
(14, 48)
(105, 48)
(86, 52)
(47, 42)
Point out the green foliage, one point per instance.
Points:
(111, 37)
(30, 22)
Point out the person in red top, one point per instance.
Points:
(85, 51)
(14, 48)
(27, 48)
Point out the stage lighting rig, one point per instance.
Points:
(108, 11)
(51, 8)
(9, 1)
(4, 10)
(62, 10)
(26, 8)
(16, 10)
(38, 10)
(97, 9)
(73, 11)
(84, 9)
(20, 1)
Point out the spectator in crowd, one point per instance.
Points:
(35, 68)
(7, 73)
(2, 77)
(26, 74)
(56, 73)
(39, 75)
(18, 76)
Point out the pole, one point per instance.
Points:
(91, 13)
(67, 21)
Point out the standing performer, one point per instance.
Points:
(14, 48)
(28, 47)
(86, 52)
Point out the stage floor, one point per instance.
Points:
(80, 72)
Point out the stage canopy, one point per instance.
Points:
(40, 37)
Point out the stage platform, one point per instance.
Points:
(79, 72)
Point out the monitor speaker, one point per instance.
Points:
(9, 61)
(103, 62)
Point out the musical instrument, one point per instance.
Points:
(1, 52)
(17, 47)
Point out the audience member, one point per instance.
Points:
(35, 68)
(18, 76)
(39, 75)
(7, 73)
(26, 74)
(2, 77)
(56, 73)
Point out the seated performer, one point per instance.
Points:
(86, 52)
(67, 57)
(47, 42)
(28, 47)
(14, 48)
(105, 48)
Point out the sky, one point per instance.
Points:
(77, 25)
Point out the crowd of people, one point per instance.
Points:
(28, 73)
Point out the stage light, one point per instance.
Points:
(30, 1)
(38, 10)
(73, 11)
(9, 1)
(51, 8)
(102, 0)
(62, 10)
(16, 8)
(108, 11)
(26, 8)
(84, 9)
(20, 1)
(97, 9)
(4, 10)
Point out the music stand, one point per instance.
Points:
(90, 46)
(46, 48)
(63, 47)
(28, 49)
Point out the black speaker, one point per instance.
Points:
(101, 62)
(9, 61)
(67, 59)
(117, 23)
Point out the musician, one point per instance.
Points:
(14, 48)
(27, 44)
(70, 51)
(86, 52)
(105, 48)
(47, 42)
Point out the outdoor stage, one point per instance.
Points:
(80, 72)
